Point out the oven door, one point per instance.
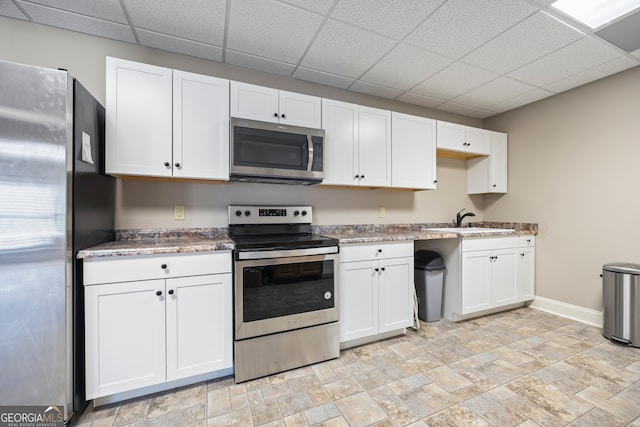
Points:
(281, 294)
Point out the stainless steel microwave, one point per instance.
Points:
(275, 153)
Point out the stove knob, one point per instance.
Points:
(304, 213)
(296, 213)
(247, 212)
(238, 212)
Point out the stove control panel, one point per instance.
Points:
(247, 214)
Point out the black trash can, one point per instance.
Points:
(621, 296)
(429, 280)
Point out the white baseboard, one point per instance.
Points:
(570, 311)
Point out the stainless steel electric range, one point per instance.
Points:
(285, 290)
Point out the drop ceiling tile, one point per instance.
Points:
(257, 63)
(520, 100)
(493, 92)
(529, 40)
(9, 9)
(320, 6)
(452, 107)
(178, 45)
(345, 50)
(483, 114)
(202, 21)
(460, 26)
(394, 21)
(598, 72)
(109, 10)
(373, 89)
(271, 29)
(425, 101)
(405, 66)
(74, 22)
(453, 81)
(323, 78)
(574, 58)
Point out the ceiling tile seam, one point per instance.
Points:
(580, 72)
(299, 7)
(225, 36)
(314, 38)
(129, 21)
(551, 93)
(398, 42)
(21, 9)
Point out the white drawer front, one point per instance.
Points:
(373, 251)
(125, 269)
(527, 240)
(489, 243)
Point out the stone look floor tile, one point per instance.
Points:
(522, 367)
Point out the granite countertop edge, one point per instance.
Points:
(176, 241)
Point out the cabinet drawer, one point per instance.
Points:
(125, 269)
(373, 251)
(527, 240)
(489, 243)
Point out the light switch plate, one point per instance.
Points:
(178, 212)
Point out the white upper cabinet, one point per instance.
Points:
(465, 139)
(276, 106)
(413, 152)
(138, 119)
(489, 174)
(200, 126)
(166, 123)
(357, 144)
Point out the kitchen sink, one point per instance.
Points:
(472, 230)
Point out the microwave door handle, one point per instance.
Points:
(310, 147)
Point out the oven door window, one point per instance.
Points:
(270, 149)
(284, 289)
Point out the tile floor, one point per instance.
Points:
(518, 368)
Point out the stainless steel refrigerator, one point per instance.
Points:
(54, 200)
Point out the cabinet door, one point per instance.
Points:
(300, 110)
(199, 325)
(358, 300)
(340, 124)
(478, 140)
(395, 290)
(138, 119)
(254, 102)
(201, 126)
(504, 277)
(413, 151)
(476, 282)
(374, 147)
(451, 136)
(498, 163)
(525, 273)
(125, 336)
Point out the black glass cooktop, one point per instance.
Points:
(287, 241)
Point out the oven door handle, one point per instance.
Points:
(310, 148)
(268, 254)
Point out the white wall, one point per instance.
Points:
(149, 204)
(574, 168)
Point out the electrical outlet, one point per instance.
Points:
(382, 212)
(178, 212)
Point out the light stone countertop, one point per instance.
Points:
(172, 241)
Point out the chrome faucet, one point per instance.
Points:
(459, 217)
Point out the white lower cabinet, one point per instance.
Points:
(145, 332)
(485, 273)
(376, 289)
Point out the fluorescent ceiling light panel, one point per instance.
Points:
(594, 13)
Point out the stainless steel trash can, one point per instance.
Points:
(621, 296)
(429, 278)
